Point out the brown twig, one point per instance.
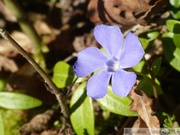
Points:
(47, 79)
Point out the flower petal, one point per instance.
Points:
(97, 85)
(111, 38)
(132, 51)
(122, 82)
(89, 60)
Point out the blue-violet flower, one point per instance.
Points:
(121, 54)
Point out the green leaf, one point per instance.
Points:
(12, 100)
(1, 125)
(175, 14)
(116, 104)
(146, 85)
(139, 66)
(175, 3)
(171, 52)
(176, 40)
(174, 9)
(144, 42)
(152, 35)
(63, 74)
(82, 114)
(156, 65)
(2, 84)
(173, 26)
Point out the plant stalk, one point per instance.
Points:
(47, 79)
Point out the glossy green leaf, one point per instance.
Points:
(12, 100)
(63, 74)
(82, 113)
(173, 26)
(1, 125)
(156, 65)
(116, 104)
(171, 52)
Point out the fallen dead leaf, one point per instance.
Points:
(81, 42)
(7, 64)
(124, 12)
(7, 13)
(6, 49)
(142, 104)
(38, 123)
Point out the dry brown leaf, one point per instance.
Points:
(124, 12)
(143, 106)
(6, 49)
(6, 12)
(7, 64)
(50, 132)
(47, 33)
(81, 42)
(141, 127)
(38, 123)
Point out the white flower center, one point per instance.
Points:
(113, 65)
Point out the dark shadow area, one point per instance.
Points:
(176, 28)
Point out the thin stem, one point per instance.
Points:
(48, 81)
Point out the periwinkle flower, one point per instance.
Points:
(121, 54)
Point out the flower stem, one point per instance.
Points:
(47, 79)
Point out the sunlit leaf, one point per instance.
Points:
(82, 113)
(144, 42)
(173, 26)
(1, 125)
(12, 100)
(63, 74)
(156, 65)
(116, 104)
(176, 40)
(174, 8)
(152, 35)
(139, 66)
(175, 3)
(175, 14)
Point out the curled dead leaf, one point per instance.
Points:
(142, 104)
